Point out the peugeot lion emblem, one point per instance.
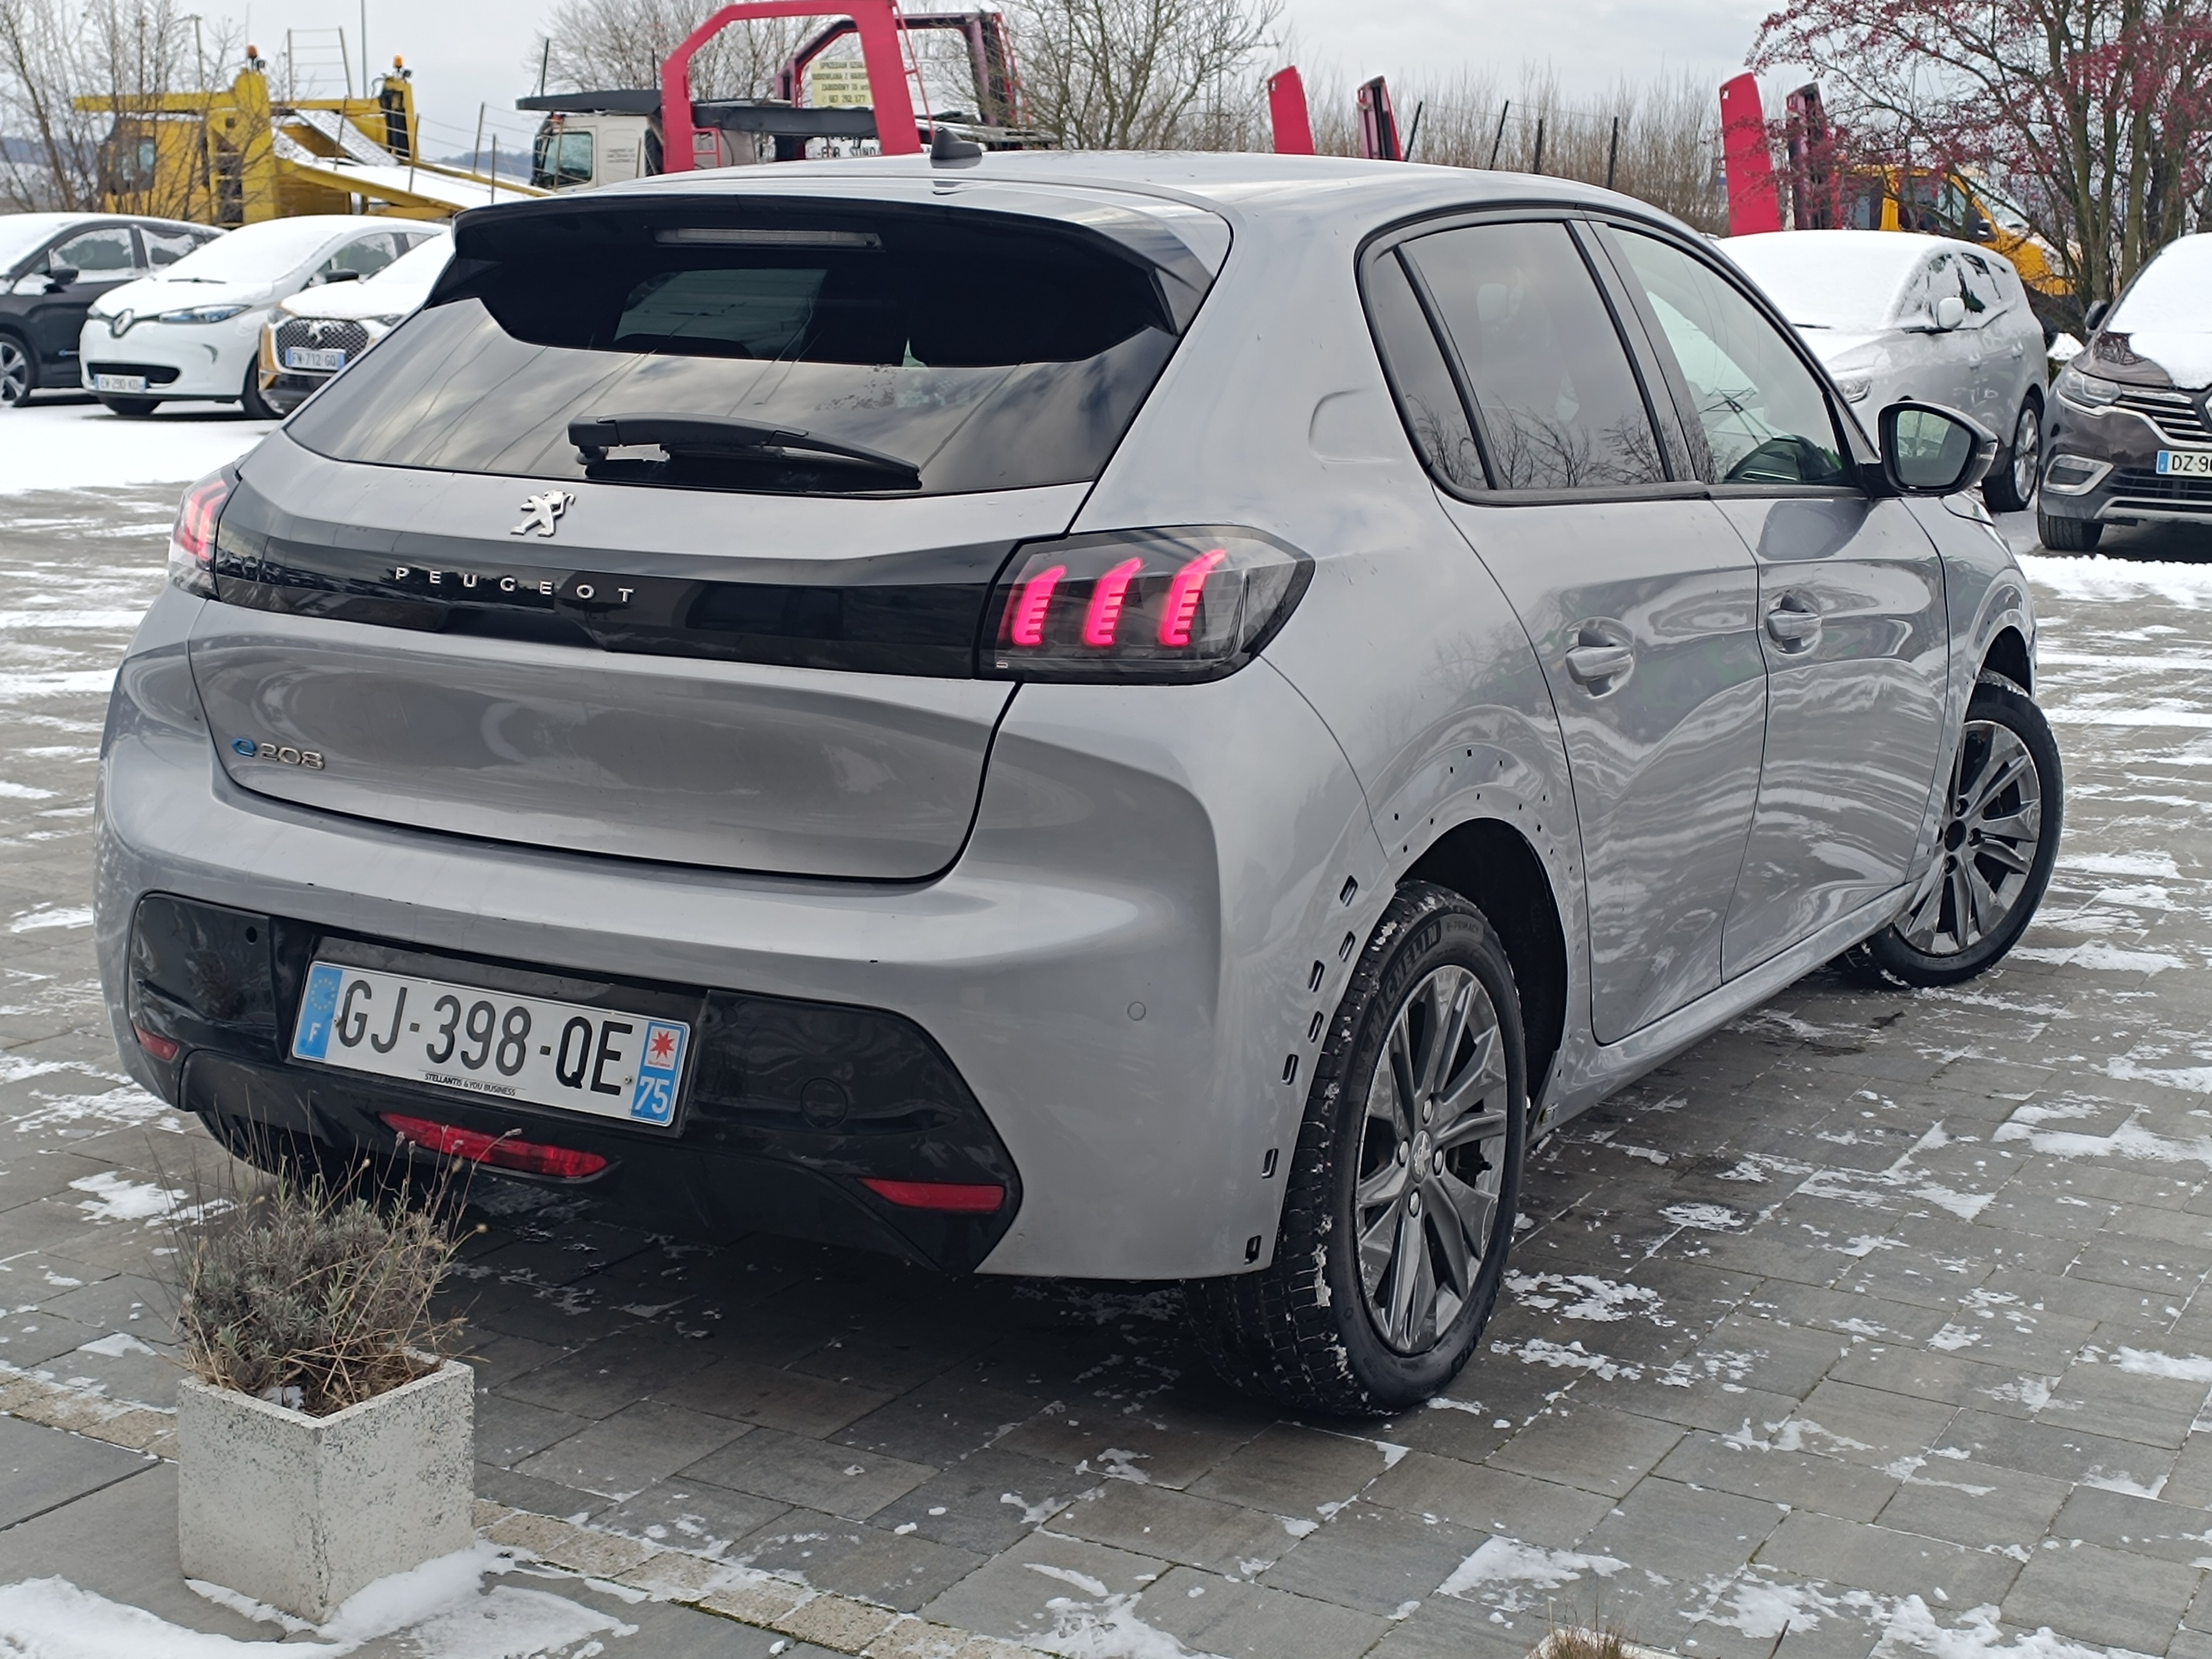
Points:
(544, 511)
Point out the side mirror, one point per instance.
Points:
(1930, 451)
(330, 276)
(1950, 312)
(2094, 319)
(61, 277)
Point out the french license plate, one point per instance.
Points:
(607, 1062)
(119, 383)
(323, 360)
(2185, 463)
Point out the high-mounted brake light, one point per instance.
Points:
(1162, 606)
(500, 1151)
(191, 543)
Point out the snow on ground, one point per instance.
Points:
(80, 446)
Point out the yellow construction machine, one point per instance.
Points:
(237, 155)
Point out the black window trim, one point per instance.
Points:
(1385, 244)
(1858, 450)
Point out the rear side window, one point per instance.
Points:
(1559, 405)
(1434, 417)
(853, 348)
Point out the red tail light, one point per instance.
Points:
(960, 1197)
(500, 1151)
(1142, 604)
(192, 543)
(161, 1048)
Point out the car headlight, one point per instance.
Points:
(1854, 387)
(2088, 390)
(202, 314)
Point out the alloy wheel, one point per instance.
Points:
(2026, 455)
(15, 372)
(1430, 1159)
(1991, 828)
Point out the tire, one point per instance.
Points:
(2069, 535)
(250, 398)
(2011, 485)
(1327, 1326)
(131, 409)
(19, 371)
(2007, 774)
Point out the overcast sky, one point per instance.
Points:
(475, 51)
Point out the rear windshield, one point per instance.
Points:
(874, 349)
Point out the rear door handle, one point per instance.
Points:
(1598, 665)
(1793, 625)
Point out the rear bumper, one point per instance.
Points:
(1122, 965)
(790, 1105)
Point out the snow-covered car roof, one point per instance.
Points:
(2172, 293)
(399, 288)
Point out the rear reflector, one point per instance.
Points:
(962, 1198)
(162, 1049)
(500, 1151)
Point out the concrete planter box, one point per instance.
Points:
(300, 1511)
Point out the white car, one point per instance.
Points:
(1896, 315)
(194, 330)
(319, 330)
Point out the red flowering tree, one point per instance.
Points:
(2091, 116)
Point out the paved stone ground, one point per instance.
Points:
(1879, 1314)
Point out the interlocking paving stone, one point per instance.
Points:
(42, 1468)
(1885, 1561)
(988, 1500)
(690, 1515)
(2118, 1598)
(1592, 1448)
(810, 1474)
(1176, 1525)
(1980, 1505)
(1485, 1499)
(1376, 1560)
(1293, 1470)
(1759, 1466)
(869, 1563)
(620, 1455)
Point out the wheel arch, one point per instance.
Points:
(1492, 865)
(2008, 654)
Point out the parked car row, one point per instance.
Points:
(138, 311)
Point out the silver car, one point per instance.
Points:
(1134, 717)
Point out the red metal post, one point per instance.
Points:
(876, 22)
(1754, 205)
(1286, 113)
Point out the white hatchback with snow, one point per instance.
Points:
(319, 331)
(194, 330)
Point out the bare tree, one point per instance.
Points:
(595, 45)
(1144, 74)
(53, 53)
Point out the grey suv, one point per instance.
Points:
(1138, 718)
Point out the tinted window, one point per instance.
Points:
(165, 245)
(1434, 416)
(103, 253)
(1762, 414)
(1559, 406)
(366, 254)
(563, 158)
(988, 354)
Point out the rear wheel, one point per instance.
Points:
(2010, 487)
(1998, 841)
(19, 372)
(1402, 1192)
(131, 409)
(2067, 535)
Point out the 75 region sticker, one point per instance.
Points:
(659, 1064)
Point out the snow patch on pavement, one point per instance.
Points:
(83, 447)
(1514, 1572)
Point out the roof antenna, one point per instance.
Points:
(947, 149)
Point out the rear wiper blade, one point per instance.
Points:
(595, 434)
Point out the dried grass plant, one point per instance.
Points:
(312, 1293)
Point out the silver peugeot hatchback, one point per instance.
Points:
(1135, 718)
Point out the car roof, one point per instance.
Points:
(1357, 192)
